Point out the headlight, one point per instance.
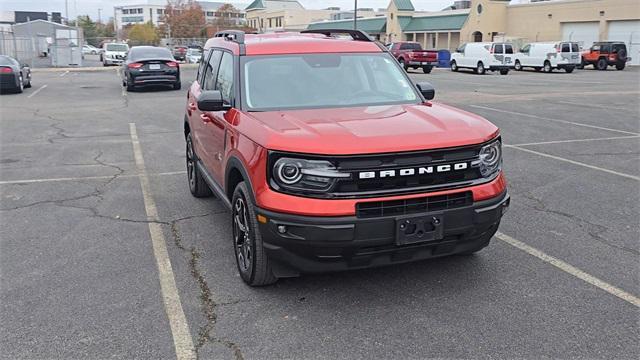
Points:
(301, 175)
(490, 158)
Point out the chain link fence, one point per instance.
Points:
(22, 49)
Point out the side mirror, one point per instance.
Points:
(211, 100)
(427, 90)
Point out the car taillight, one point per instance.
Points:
(6, 70)
(135, 65)
(172, 64)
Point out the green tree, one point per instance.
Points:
(89, 29)
(143, 34)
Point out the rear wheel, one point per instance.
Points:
(251, 259)
(177, 85)
(569, 69)
(28, 84)
(601, 64)
(197, 185)
(547, 67)
(427, 69)
(454, 66)
(480, 70)
(581, 65)
(404, 66)
(518, 66)
(504, 71)
(620, 66)
(20, 87)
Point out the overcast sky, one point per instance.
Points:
(82, 7)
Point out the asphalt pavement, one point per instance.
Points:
(84, 272)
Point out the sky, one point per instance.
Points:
(90, 7)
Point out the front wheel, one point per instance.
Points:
(251, 259)
(480, 70)
(518, 66)
(569, 69)
(427, 69)
(454, 66)
(581, 65)
(601, 64)
(404, 66)
(547, 67)
(197, 185)
(504, 71)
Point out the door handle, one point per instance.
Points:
(205, 118)
(193, 106)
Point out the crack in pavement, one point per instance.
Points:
(596, 233)
(206, 332)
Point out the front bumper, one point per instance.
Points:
(150, 80)
(320, 244)
(422, 63)
(110, 61)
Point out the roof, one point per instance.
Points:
(294, 43)
(435, 23)
(404, 21)
(274, 4)
(404, 5)
(54, 24)
(373, 25)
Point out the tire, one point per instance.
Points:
(569, 69)
(581, 65)
(480, 70)
(427, 69)
(622, 55)
(405, 67)
(538, 69)
(20, 87)
(484, 242)
(104, 64)
(177, 85)
(547, 67)
(454, 66)
(251, 259)
(197, 185)
(28, 85)
(601, 64)
(518, 66)
(504, 71)
(620, 66)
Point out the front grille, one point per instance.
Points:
(373, 209)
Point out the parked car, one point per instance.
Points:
(193, 55)
(13, 75)
(150, 66)
(483, 56)
(547, 56)
(606, 53)
(90, 50)
(180, 53)
(114, 53)
(411, 55)
(360, 169)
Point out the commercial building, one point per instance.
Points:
(153, 12)
(283, 15)
(9, 18)
(584, 21)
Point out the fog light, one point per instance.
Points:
(282, 229)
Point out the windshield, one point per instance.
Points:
(117, 47)
(150, 53)
(324, 80)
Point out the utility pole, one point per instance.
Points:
(355, 15)
(99, 16)
(66, 10)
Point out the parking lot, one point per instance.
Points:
(104, 252)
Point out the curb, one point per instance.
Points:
(95, 68)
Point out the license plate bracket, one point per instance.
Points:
(417, 229)
(154, 66)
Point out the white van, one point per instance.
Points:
(483, 56)
(548, 56)
(114, 53)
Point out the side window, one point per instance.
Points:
(508, 49)
(498, 49)
(526, 49)
(606, 48)
(224, 83)
(574, 48)
(566, 48)
(203, 60)
(461, 48)
(212, 70)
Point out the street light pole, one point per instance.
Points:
(355, 15)
(66, 10)
(99, 16)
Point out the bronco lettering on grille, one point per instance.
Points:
(413, 171)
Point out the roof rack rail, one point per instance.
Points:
(231, 35)
(357, 35)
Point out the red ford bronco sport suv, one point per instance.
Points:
(329, 158)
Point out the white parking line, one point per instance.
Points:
(570, 269)
(81, 178)
(574, 162)
(576, 140)
(554, 120)
(64, 73)
(37, 90)
(597, 106)
(177, 321)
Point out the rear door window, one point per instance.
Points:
(566, 48)
(211, 71)
(605, 48)
(575, 48)
(498, 48)
(508, 49)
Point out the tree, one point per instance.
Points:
(143, 34)
(183, 19)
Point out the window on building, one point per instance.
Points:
(160, 11)
(270, 25)
(125, 11)
(210, 14)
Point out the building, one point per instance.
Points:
(583, 21)
(153, 12)
(9, 18)
(283, 15)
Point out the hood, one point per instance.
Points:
(373, 129)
